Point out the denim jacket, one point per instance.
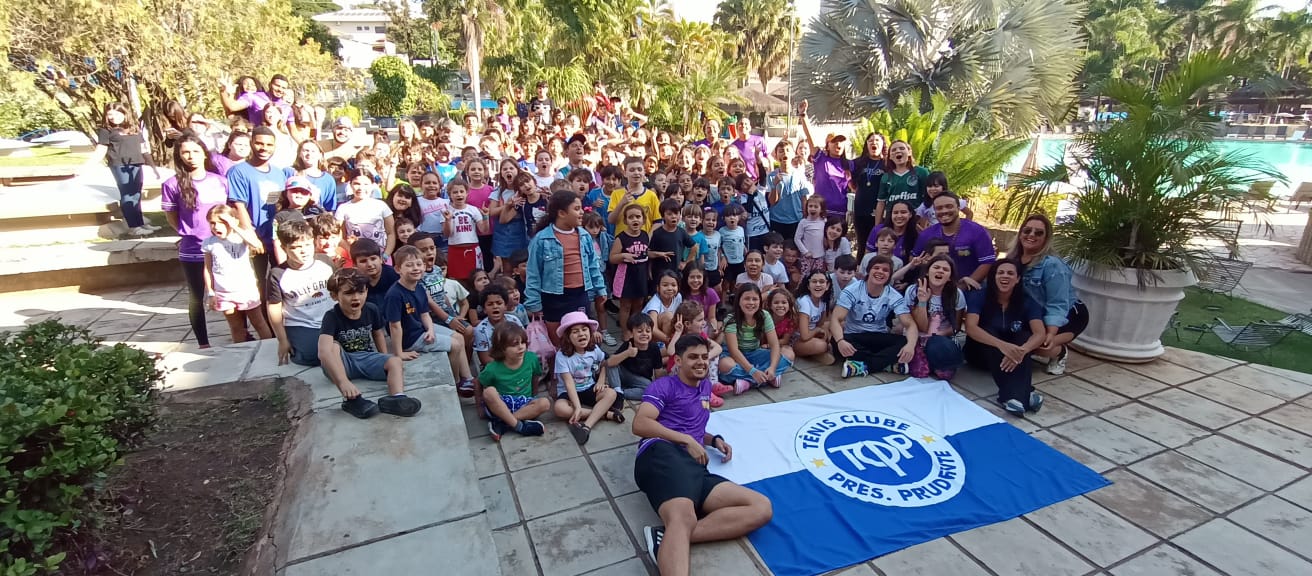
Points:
(1048, 284)
(546, 267)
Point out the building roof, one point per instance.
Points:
(354, 15)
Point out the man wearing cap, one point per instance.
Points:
(751, 148)
(833, 171)
(342, 144)
(695, 505)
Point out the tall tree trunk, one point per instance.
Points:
(474, 61)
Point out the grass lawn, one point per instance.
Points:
(1293, 353)
(45, 156)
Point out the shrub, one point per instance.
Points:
(69, 406)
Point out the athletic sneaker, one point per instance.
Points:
(1057, 366)
(1014, 407)
(742, 385)
(609, 340)
(653, 534)
(399, 405)
(496, 428)
(900, 368)
(360, 407)
(852, 368)
(530, 428)
(140, 231)
(465, 388)
(1036, 401)
(777, 381)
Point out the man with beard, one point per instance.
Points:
(342, 145)
(969, 243)
(253, 189)
(695, 505)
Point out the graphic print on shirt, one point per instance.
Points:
(358, 339)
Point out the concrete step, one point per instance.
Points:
(89, 264)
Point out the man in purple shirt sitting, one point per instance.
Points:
(969, 244)
(695, 505)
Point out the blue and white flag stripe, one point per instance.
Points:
(866, 472)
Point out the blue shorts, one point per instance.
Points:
(305, 345)
(514, 403)
(365, 365)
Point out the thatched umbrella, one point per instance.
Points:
(756, 100)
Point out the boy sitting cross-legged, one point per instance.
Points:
(350, 338)
(508, 384)
(297, 295)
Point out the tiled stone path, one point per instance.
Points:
(1209, 457)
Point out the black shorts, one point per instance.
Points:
(586, 397)
(731, 273)
(556, 306)
(1077, 320)
(712, 277)
(664, 472)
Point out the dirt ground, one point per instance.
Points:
(192, 499)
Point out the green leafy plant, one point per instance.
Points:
(942, 139)
(68, 407)
(1150, 180)
(398, 91)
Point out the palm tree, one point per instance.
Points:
(764, 30)
(475, 18)
(1233, 22)
(1152, 177)
(1290, 38)
(639, 69)
(1010, 62)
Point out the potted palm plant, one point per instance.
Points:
(1149, 188)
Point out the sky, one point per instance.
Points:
(704, 11)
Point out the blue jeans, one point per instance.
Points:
(759, 359)
(128, 179)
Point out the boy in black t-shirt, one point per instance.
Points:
(368, 258)
(635, 362)
(668, 241)
(350, 338)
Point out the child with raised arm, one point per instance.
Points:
(507, 381)
(350, 337)
(583, 396)
(230, 285)
(690, 318)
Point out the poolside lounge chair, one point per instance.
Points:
(1222, 276)
(1245, 131)
(1232, 131)
(1252, 337)
(1301, 195)
(1282, 133)
(1259, 193)
(1300, 322)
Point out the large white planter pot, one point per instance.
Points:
(1126, 321)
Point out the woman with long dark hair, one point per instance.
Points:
(247, 95)
(1003, 327)
(564, 269)
(1047, 282)
(235, 151)
(867, 176)
(120, 143)
(187, 198)
(902, 221)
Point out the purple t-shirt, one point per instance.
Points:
(831, 178)
(751, 149)
(193, 223)
(222, 163)
(684, 408)
(255, 103)
(971, 246)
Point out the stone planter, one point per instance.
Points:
(1126, 321)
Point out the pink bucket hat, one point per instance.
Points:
(572, 319)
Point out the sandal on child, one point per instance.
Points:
(719, 389)
(716, 401)
(580, 432)
(616, 413)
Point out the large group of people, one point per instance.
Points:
(512, 241)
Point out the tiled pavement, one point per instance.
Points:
(1209, 457)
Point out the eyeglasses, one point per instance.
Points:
(1033, 232)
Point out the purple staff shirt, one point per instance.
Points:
(832, 176)
(751, 150)
(193, 223)
(969, 248)
(684, 408)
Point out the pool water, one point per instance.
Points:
(1293, 159)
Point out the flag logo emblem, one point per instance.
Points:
(880, 459)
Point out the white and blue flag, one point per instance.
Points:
(866, 472)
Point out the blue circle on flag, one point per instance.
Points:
(879, 455)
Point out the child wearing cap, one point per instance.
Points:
(582, 395)
(295, 202)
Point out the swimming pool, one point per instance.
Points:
(1293, 159)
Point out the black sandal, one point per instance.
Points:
(616, 413)
(581, 433)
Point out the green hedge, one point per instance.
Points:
(69, 407)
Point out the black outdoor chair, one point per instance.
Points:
(1258, 336)
(1222, 276)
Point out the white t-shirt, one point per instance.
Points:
(936, 310)
(483, 332)
(582, 367)
(365, 219)
(230, 265)
(464, 225)
(432, 210)
(812, 310)
(765, 282)
(544, 182)
(777, 270)
(655, 305)
(844, 247)
(455, 292)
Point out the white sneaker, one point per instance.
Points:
(1057, 366)
(609, 340)
(140, 231)
(152, 227)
